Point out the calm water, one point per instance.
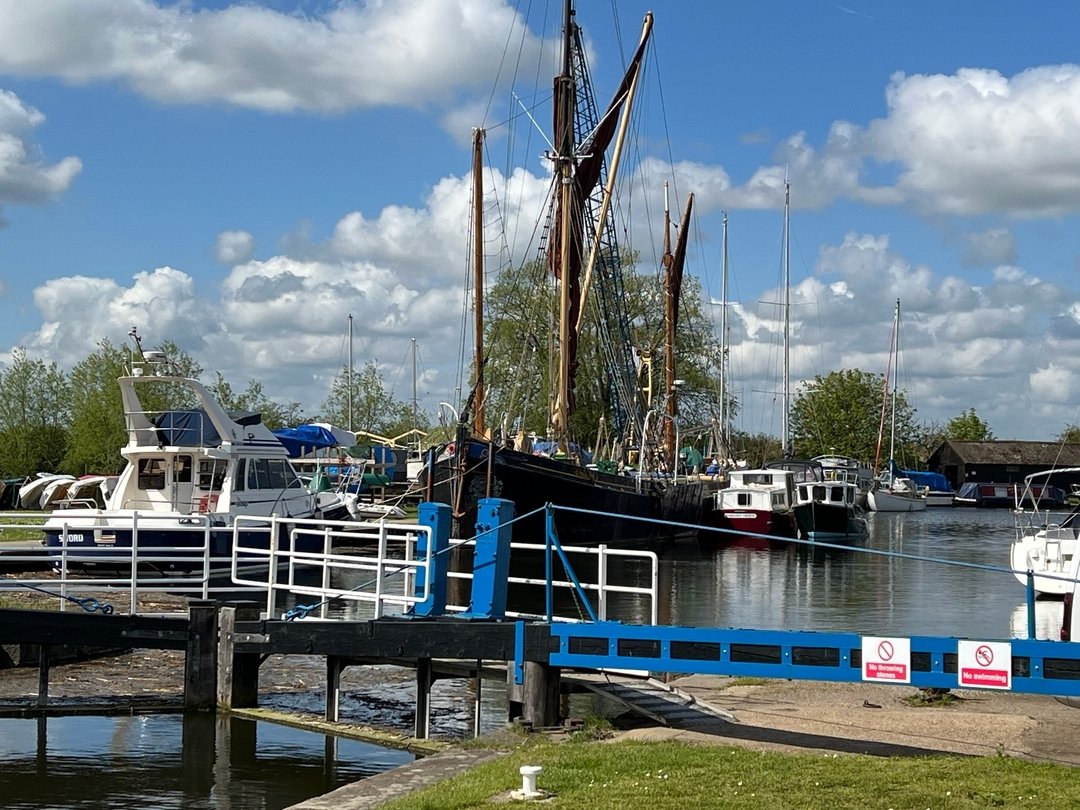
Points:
(174, 761)
(151, 762)
(805, 588)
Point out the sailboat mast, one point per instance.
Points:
(896, 370)
(885, 398)
(785, 426)
(564, 160)
(349, 377)
(724, 337)
(415, 410)
(670, 298)
(478, 279)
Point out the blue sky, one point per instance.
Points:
(239, 178)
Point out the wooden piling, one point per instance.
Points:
(200, 661)
(237, 673)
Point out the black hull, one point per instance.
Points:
(823, 521)
(532, 481)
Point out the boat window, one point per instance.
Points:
(152, 473)
(819, 494)
(744, 498)
(757, 478)
(182, 470)
(212, 474)
(837, 494)
(292, 480)
(238, 479)
(275, 470)
(257, 477)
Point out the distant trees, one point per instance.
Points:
(34, 412)
(968, 427)
(274, 414)
(373, 408)
(840, 413)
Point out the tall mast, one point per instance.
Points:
(564, 160)
(415, 410)
(785, 426)
(724, 337)
(670, 298)
(349, 427)
(478, 280)
(895, 360)
(890, 378)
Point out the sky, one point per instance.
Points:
(239, 178)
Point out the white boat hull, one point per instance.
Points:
(1047, 551)
(882, 500)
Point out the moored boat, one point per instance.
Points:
(755, 502)
(190, 472)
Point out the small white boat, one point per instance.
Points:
(896, 495)
(1046, 542)
(54, 491)
(30, 492)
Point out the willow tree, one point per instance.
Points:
(367, 405)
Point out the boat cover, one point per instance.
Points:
(922, 478)
(194, 428)
(305, 439)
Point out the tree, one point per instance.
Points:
(34, 412)
(374, 410)
(520, 321)
(1071, 435)
(840, 413)
(97, 420)
(968, 427)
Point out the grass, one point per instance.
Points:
(20, 529)
(661, 775)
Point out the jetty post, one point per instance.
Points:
(237, 673)
(200, 661)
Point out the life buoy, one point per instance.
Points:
(451, 448)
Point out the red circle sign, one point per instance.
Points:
(885, 650)
(984, 655)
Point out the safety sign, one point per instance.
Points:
(886, 659)
(984, 664)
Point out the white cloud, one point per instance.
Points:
(351, 55)
(24, 177)
(1054, 384)
(234, 247)
(995, 246)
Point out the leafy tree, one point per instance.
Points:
(97, 420)
(521, 318)
(34, 411)
(968, 427)
(374, 409)
(756, 448)
(840, 413)
(1071, 435)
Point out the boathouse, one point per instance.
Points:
(1004, 462)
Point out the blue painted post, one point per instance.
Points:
(491, 559)
(1031, 603)
(437, 517)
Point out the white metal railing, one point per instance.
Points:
(603, 588)
(150, 554)
(299, 557)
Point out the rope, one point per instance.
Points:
(87, 603)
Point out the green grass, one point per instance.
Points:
(660, 775)
(18, 530)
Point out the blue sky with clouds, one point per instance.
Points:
(240, 177)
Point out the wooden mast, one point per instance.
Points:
(564, 160)
(673, 263)
(785, 426)
(478, 280)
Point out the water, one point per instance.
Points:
(791, 587)
(154, 762)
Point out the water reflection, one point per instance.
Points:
(173, 761)
(806, 587)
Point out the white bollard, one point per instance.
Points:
(528, 781)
